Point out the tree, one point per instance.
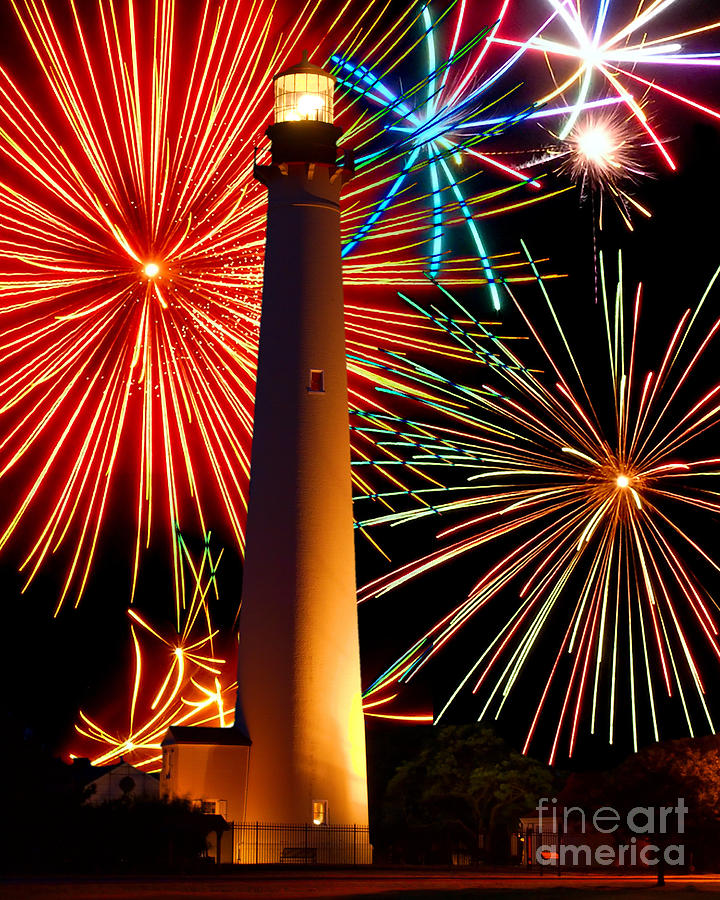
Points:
(145, 834)
(463, 784)
(656, 777)
(663, 773)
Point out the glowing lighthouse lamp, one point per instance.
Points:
(304, 93)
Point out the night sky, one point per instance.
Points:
(53, 667)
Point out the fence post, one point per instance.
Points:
(539, 838)
(256, 842)
(559, 848)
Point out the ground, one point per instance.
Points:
(371, 884)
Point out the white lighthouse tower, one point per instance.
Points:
(299, 696)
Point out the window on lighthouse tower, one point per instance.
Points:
(316, 383)
(320, 812)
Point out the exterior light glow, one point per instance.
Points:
(151, 269)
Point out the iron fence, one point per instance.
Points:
(265, 842)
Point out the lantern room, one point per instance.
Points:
(304, 93)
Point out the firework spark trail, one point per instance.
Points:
(177, 680)
(130, 273)
(603, 156)
(130, 268)
(178, 676)
(427, 123)
(130, 264)
(606, 55)
(437, 121)
(589, 521)
(130, 261)
(130, 254)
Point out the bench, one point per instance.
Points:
(298, 854)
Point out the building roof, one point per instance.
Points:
(305, 67)
(191, 734)
(122, 782)
(121, 769)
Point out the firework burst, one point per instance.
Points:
(602, 153)
(611, 53)
(432, 129)
(130, 268)
(603, 157)
(606, 552)
(178, 678)
(130, 254)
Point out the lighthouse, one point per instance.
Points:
(299, 692)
